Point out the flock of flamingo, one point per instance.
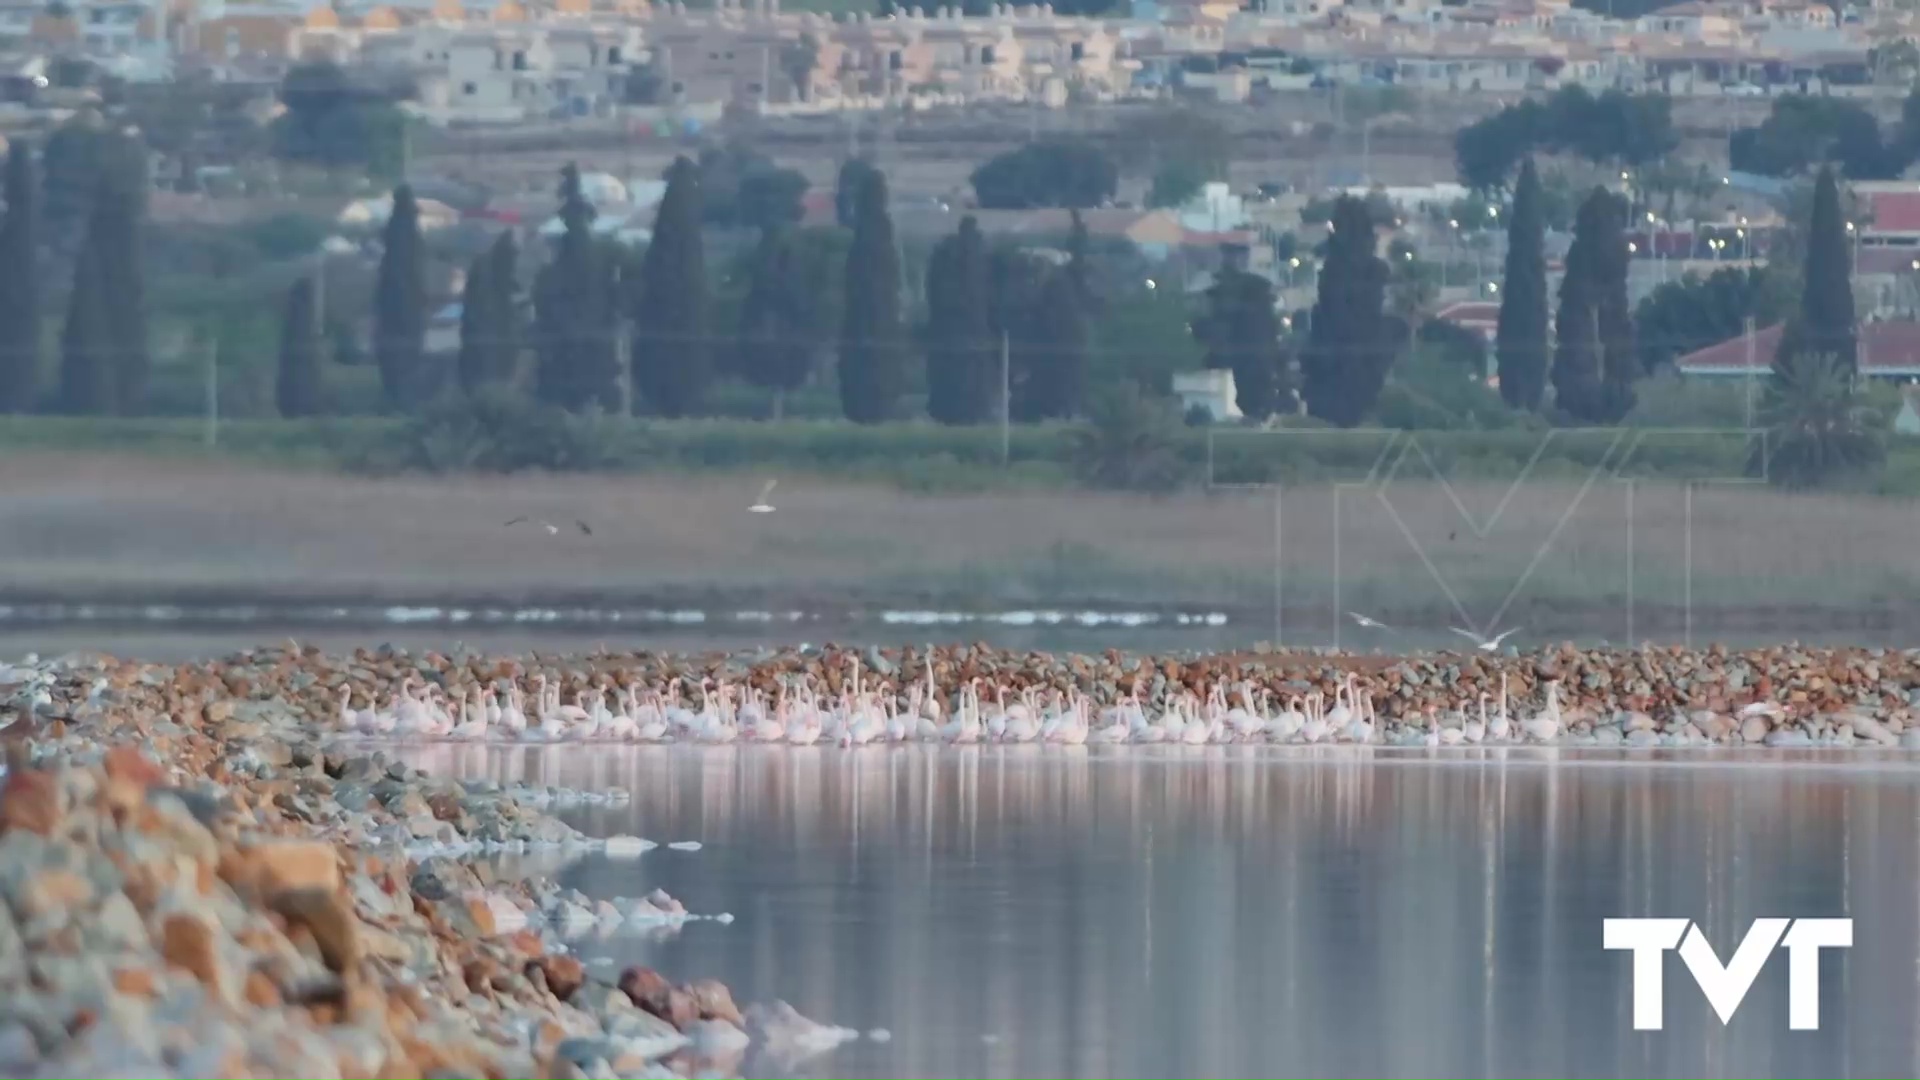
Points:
(799, 716)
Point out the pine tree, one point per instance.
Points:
(296, 388)
(1826, 323)
(1053, 386)
(1520, 345)
(19, 285)
(574, 310)
(1594, 365)
(872, 339)
(1241, 333)
(400, 303)
(777, 334)
(670, 343)
(477, 320)
(86, 374)
(962, 368)
(1350, 345)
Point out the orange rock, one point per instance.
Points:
(481, 914)
(715, 1001)
(186, 942)
(129, 765)
(260, 991)
(563, 975)
(31, 801)
(282, 865)
(138, 981)
(326, 916)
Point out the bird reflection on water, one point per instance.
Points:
(1230, 911)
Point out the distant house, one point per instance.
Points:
(1211, 390)
(1887, 350)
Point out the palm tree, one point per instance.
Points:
(1127, 441)
(1819, 426)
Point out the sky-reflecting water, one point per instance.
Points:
(1019, 911)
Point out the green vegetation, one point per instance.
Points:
(19, 285)
(1053, 172)
(1628, 129)
(963, 385)
(575, 304)
(1521, 341)
(400, 305)
(1350, 347)
(1594, 366)
(1820, 428)
(297, 383)
(670, 341)
(1802, 131)
(1241, 333)
(872, 331)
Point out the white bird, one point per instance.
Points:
(1545, 726)
(1370, 624)
(1499, 729)
(1484, 644)
(761, 505)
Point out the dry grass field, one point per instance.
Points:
(74, 526)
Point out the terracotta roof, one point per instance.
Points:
(1885, 347)
(1895, 211)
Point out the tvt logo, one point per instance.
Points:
(1726, 985)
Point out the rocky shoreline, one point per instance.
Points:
(196, 880)
(200, 877)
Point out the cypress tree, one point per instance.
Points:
(872, 345)
(1826, 323)
(574, 309)
(670, 342)
(1520, 345)
(962, 369)
(1054, 384)
(115, 230)
(19, 286)
(1594, 365)
(1350, 344)
(854, 174)
(1078, 266)
(400, 303)
(1241, 333)
(86, 387)
(501, 345)
(777, 333)
(296, 387)
(477, 320)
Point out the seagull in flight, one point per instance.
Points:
(1371, 624)
(1484, 644)
(552, 529)
(761, 505)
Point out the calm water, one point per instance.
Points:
(1014, 911)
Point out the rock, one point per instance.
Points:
(715, 1038)
(284, 866)
(31, 801)
(714, 1001)
(1754, 729)
(563, 975)
(642, 985)
(189, 942)
(326, 916)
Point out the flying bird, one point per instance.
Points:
(551, 528)
(585, 530)
(1484, 644)
(1371, 624)
(761, 505)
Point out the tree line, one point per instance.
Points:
(613, 331)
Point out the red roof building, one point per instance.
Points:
(1888, 350)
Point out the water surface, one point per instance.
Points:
(1226, 911)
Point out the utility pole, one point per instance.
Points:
(212, 346)
(1006, 401)
(1750, 348)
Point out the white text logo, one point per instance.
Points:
(1726, 985)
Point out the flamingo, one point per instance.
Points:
(1432, 739)
(1475, 730)
(1544, 726)
(1362, 728)
(1500, 729)
(472, 725)
(1287, 725)
(511, 718)
(1316, 725)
